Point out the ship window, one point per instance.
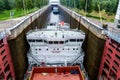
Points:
(79, 40)
(72, 40)
(45, 41)
(39, 40)
(73, 48)
(66, 41)
(31, 40)
(61, 42)
(55, 42)
(50, 42)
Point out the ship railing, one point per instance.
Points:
(74, 61)
(35, 58)
(75, 30)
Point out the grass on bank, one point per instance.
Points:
(96, 15)
(4, 15)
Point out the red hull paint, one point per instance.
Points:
(110, 64)
(6, 66)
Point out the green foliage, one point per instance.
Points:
(19, 7)
(96, 17)
(21, 4)
(2, 5)
(110, 6)
(17, 13)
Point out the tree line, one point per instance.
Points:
(21, 4)
(110, 6)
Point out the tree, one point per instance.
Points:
(6, 4)
(88, 6)
(1, 5)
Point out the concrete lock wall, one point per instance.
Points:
(18, 43)
(94, 41)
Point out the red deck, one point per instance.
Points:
(56, 73)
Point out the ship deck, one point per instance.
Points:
(56, 73)
(54, 76)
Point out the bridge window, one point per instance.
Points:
(50, 42)
(31, 40)
(79, 40)
(39, 40)
(66, 41)
(61, 42)
(55, 42)
(45, 41)
(72, 40)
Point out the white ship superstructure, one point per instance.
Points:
(55, 46)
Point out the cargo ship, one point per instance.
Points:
(55, 46)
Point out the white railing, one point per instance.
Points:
(17, 29)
